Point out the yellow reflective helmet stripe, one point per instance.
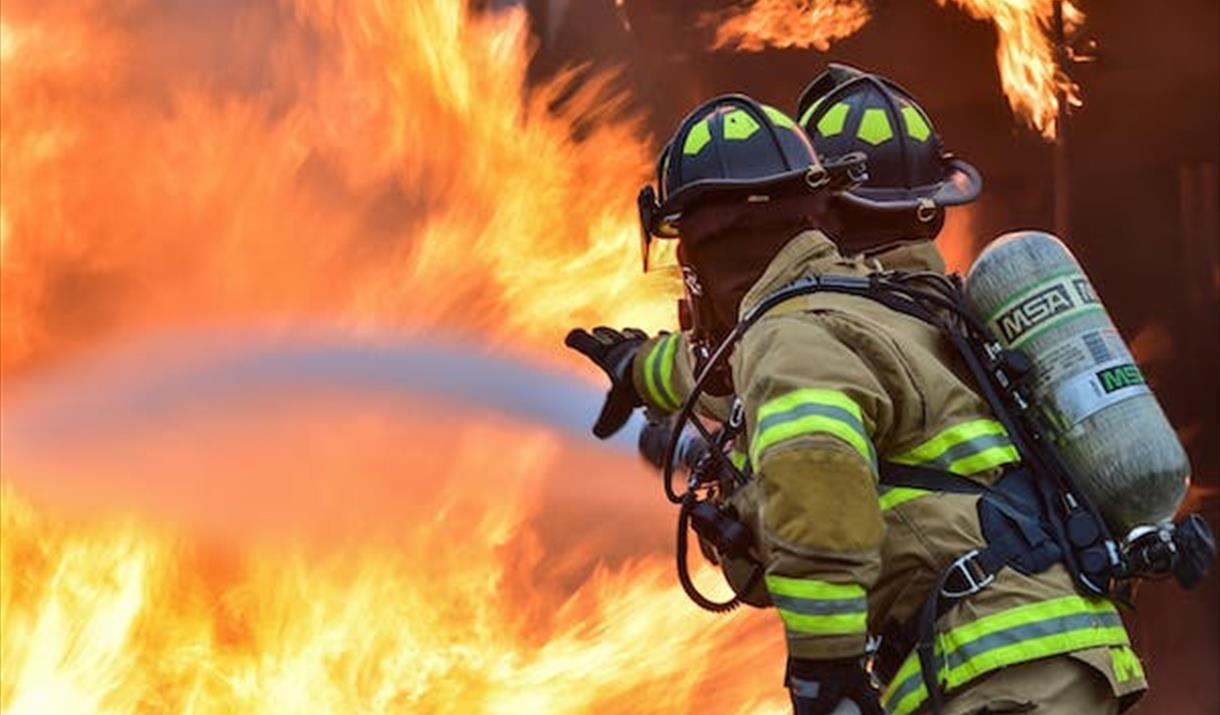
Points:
(697, 138)
(917, 126)
(819, 608)
(778, 118)
(964, 449)
(874, 127)
(833, 120)
(1017, 635)
(809, 411)
(738, 124)
(812, 108)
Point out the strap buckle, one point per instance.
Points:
(972, 574)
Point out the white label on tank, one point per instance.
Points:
(1083, 374)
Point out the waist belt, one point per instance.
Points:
(1014, 524)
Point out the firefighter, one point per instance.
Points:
(838, 389)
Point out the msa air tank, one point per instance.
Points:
(1108, 426)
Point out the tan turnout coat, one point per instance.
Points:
(832, 383)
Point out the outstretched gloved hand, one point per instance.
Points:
(830, 687)
(612, 351)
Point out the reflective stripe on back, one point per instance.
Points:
(964, 449)
(1017, 635)
(891, 497)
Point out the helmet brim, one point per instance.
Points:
(962, 184)
(665, 222)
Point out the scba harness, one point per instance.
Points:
(1033, 517)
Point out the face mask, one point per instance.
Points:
(728, 247)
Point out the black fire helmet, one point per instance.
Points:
(733, 148)
(848, 110)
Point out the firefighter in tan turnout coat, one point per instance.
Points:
(835, 387)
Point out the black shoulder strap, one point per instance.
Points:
(912, 477)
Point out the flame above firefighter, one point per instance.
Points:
(1027, 55)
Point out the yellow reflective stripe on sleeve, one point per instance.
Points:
(1017, 635)
(667, 371)
(739, 459)
(819, 608)
(965, 449)
(658, 373)
(809, 411)
(1126, 664)
(847, 624)
(812, 588)
(893, 496)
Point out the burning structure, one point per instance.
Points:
(374, 167)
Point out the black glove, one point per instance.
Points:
(612, 351)
(818, 686)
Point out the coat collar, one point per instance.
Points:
(811, 252)
(807, 253)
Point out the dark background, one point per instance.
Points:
(1143, 154)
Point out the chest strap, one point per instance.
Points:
(892, 474)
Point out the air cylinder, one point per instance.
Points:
(1107, 423)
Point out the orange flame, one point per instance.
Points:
(367, 163)
(1030, 75)
(785, 23)
(958, 240)
(451, 601)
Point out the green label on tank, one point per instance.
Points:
(1043, 306)
(1119, 376)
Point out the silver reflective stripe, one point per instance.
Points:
(966, 449)
(805, 688)
(1029, 632)
(819, 607)
(1002, 639)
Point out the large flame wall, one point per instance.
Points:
(257, 526)
(370, 162)
(372, 166)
